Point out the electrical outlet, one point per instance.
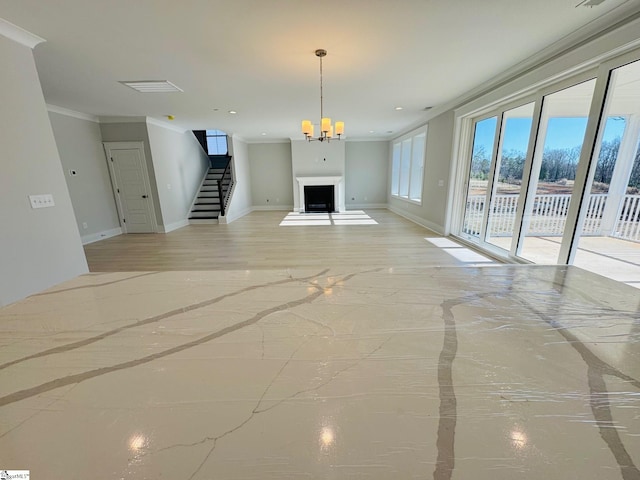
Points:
(84, 225)
(41, 201)
(441, 183)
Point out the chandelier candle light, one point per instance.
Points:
(327, 131)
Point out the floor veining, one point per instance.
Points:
(444, 372)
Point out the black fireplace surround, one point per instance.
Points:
(319, 198)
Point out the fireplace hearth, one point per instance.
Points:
(319, 198)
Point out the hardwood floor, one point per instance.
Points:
(256, 241)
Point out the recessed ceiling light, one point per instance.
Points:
(263, 133)
(152, 86)
(371, 131)
(232, 112)
(398, 108)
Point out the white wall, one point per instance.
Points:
(316, 159)
(432, 212)
(271, 176)
(180, 165)
(365, 170)
(38, 247)
(240, 203)
(366, 174)
(80, 147)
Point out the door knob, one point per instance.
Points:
(144, 196)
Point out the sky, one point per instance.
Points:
(563, 132)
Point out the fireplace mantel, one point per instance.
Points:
(338, 189)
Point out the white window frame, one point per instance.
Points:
(465, 124)
(599, 70)
(395, 168)
(397, 145)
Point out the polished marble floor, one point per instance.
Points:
(341, 372)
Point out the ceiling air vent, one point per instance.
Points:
(153, 86)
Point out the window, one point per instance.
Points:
(507, 181)
(417, 167)
(395, 169)
(407, 166)
(563, 124)
(551, 174)
(483, 145)
(216, 142)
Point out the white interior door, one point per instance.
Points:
(131, 186)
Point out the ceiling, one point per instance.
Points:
(257, 56)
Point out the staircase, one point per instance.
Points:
(206, 208)
(216, 187)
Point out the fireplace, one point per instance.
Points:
(319, 198)
(333, 185)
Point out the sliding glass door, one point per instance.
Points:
(482, 155)
(556, 179)
(609, 240)
(498, 154)
(522, 171)
(561, 134)
(507, 178)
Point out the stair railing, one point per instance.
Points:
(225, 189)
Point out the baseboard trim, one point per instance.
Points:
(439, 229)
(203, 221)
(234, 217)
(173, 226)
(364, 206)
(265, 208)
(96, 237)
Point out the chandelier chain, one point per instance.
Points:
(321, 92)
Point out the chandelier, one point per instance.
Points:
(327, 130)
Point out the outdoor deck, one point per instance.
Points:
(611, 257)
(610, 240)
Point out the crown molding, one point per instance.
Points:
(255, 141)
(72, 113)
(158, 123)
(617, 19)
(122, 119)
(367, 139)
(19, 34)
